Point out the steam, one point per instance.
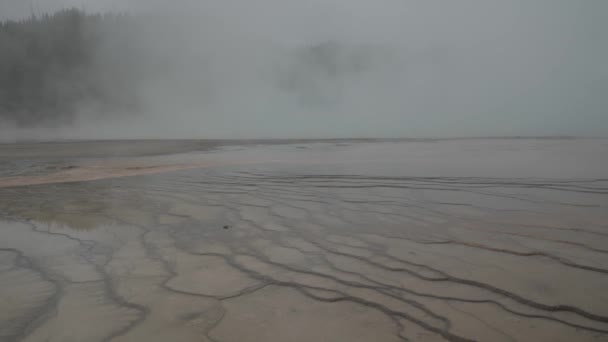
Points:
(335, 68)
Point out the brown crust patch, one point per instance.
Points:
(90, 173)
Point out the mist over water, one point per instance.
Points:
(294, 69)
(181, 226)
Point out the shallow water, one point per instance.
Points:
(488, 240)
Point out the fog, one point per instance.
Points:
(337, 68)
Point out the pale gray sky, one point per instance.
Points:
(451, 67)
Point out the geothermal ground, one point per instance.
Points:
(432, 240)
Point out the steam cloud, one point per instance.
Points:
(336, 68)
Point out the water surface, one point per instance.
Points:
(486, 240)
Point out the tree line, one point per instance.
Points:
(54, 65)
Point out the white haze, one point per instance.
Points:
(429, 69)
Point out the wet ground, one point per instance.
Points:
(457, 240)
